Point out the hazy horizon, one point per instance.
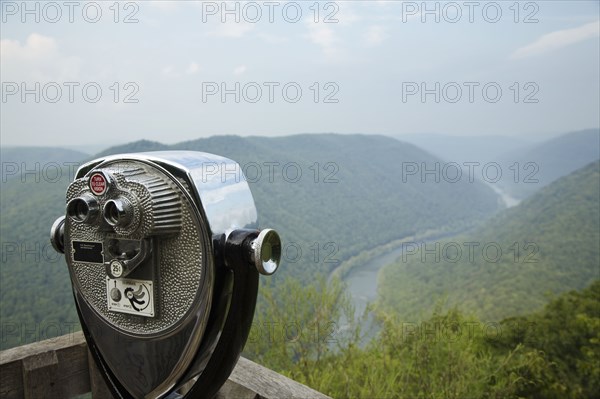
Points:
(174, 71)
(96, 147)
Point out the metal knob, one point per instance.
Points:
(57, 235)
(265, 252)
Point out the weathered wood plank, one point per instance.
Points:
(40, 376)
(61, 367)
(21, 352)
(269, 384)
(73, 375)
(11, 379)
(67, 350)
(231, 390)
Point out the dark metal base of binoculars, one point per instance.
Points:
(237, 288)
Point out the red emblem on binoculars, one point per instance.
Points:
(98, 183)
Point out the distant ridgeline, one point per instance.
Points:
(543, 163)
(512, 263)
(526, 165)
(330, 196)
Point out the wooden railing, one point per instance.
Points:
(62, 368)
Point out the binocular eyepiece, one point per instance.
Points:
(83, 209)
(164, 260)
(118, 212)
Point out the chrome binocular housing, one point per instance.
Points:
(164, 254)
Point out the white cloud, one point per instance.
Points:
(192, 69)
(345, 15)
(324, 37)
(272, 39)
(240, 70)
(169, 71)
(164, 4)
(231, 29)
(375, 35)
(36, 46)
(559, 39)
(39, 58)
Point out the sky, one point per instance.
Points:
(104, 73)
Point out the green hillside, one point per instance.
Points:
(26, 158)
(549, 244)
(349, 197)
(549, 354)
(541, 164)
(35, 293)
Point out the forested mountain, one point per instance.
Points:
(541, 164)
(508, 266)
(525, 166)
(329, 196)
(137, 146)
(467, 148)
(29, 156)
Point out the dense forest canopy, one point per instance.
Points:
(550, 354)
(510, 264)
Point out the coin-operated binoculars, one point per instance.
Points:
(164, 252)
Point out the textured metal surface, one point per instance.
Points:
(217, 182)
(160, 210)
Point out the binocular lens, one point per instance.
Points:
(118, 212)
(267, 252)
(83, 208)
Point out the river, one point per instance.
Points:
(362, 282)
(507, 199)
